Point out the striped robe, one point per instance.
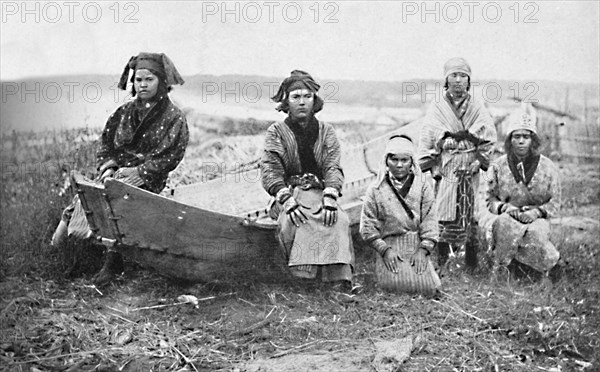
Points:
(280, 159)
(444, 158)
(309, 247)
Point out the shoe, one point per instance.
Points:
(59, 238)
(113, 265)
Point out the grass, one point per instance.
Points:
(52, 322)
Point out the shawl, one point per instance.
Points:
(476, 123)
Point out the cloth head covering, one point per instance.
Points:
(158, 63)
(456, 64)
(297, 80)
(397, 145)
(520, 120)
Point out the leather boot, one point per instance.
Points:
(443, 251)
(472, 246)
(113, 265)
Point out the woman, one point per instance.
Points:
(300, 169)
(142, 142)
(399, 221)
(523, 190)
(456, 142)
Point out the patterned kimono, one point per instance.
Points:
(527, 243)
(451, 139)
(312, 245)
(154, 142)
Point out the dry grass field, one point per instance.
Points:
(53, 322)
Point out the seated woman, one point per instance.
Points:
(399, 221)
(142, 142)
(300, 169)
(523, 190)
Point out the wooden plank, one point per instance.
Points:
(161, 224)
(93, 193)
(231, 194)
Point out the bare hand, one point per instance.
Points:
(528, 216)
(107, 174)
(109, 164)
(419, 261)
(512, 211)
(507, 208)
(474, 167)
(392, 260)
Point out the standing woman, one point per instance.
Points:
(142, 142)
(300, 169)
(399, 221)
(523, 189)
(457, 140)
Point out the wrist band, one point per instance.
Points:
(331, 192)
(283, 195)
(500, 206)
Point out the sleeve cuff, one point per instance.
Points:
(543, 213)
(427, 245)
(380, 246)
(283, 194)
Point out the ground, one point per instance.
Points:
(53, 322)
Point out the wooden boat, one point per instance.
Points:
(210, 230)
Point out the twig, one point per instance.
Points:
(256, 326)
(462, 311)
(285, 352)
(186, 359)
(248, 302)
(13, 302)
(94, 288)
(68, 355)
(174, 304)
(274, 307)
(122, 318)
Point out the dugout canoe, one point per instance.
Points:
(210, 230)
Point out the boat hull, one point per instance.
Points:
(177, 239)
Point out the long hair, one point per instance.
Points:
(536, 144)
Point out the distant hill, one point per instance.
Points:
(87, 100)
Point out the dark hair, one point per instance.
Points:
(401, 136)
(536, 144)
(285, 106)
(468, 83)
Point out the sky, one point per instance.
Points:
(356, 40)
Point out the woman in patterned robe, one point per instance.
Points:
(523, 189)
(300, 169)
(142, 141)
